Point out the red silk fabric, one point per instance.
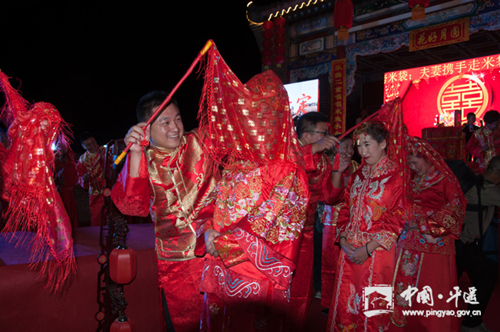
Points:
(251, 121)
(33, 201)
(261, 199)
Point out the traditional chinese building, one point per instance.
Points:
(381, 38)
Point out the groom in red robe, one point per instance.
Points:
(167, 175)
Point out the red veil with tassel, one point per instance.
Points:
(35, 213)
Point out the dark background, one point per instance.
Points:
(94, 59)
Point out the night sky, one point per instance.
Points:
(94, 59)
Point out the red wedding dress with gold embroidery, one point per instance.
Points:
(260, 202)
(375, 209)
(426, 249)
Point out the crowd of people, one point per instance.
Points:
(235, 204)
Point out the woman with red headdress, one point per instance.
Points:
(261, 201)
(426, 264)
(367, 227)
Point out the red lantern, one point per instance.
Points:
(418, 9)
(122, 324)
(279, 40)
(342, 17)
(267, 52)
(279, 31)
(267, 61)
(279, 49)
(267, 43)
(268, 25)
(279, 21)
(122, 265)
(267, 34)
(279, 59)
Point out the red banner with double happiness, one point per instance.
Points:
(439, 35)
(338, 113)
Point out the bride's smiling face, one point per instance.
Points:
(371, 150)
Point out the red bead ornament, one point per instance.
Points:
(122, 265)
(342, 16)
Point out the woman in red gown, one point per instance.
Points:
(368, 226)
(426, 249)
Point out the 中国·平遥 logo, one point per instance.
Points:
(378, 300)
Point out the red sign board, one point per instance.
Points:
(439, 35)
(338, 115)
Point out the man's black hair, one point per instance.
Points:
(309, 121)
(149, 102)
(491, 116)
(85, 136)
(470, 114)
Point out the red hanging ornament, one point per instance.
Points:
(122, 265)
(279, 40)
(279, 50)
(279, 59)
(279, 31)
(122, 324)
(279, 21)
(267, 52)
(418, 9)
(267, 43)
(268, 25)
(267, 61)
(342, 16)
(268, 34)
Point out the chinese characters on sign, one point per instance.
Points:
(467, 93)
(425, 296)
(444, 69)
(439, 35)
(465, 89)
(338, 94)
(378, 300)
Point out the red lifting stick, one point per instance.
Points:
(165, 102)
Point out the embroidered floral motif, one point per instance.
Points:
(278, 219)
(409, 264)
